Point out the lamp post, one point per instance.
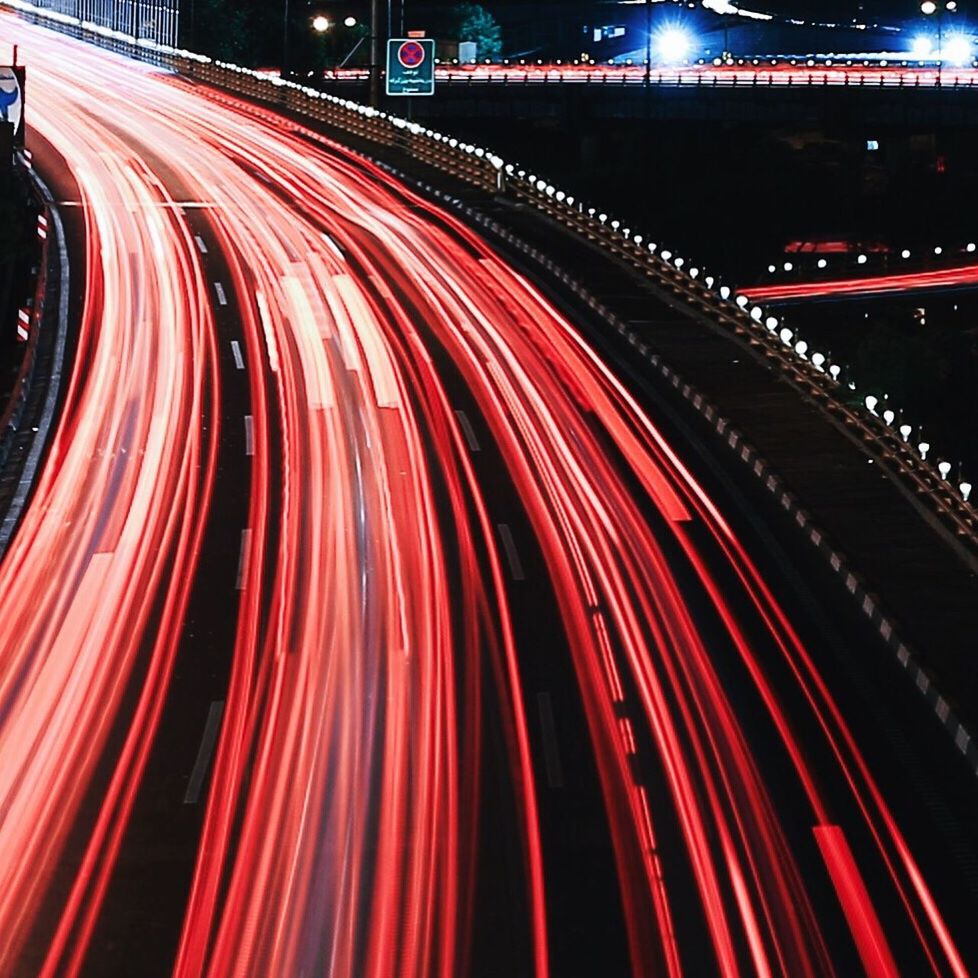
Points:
(376, 48)
(929, 8)
(648, 43)
(285, 39)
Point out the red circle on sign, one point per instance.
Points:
(411, 54)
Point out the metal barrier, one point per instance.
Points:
(30, 320)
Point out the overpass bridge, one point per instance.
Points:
(819, 97)
(758, 91)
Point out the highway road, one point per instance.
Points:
(367, 621)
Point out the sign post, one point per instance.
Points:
(410, 66)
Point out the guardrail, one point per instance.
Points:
(703, 77)
(116, 41)
(766, 335)
(496, 76)
(745, 74)
(29, 320)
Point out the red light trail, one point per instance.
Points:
(747, 75)
(941, 278)
(343, 816)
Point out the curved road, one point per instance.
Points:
(365, 623)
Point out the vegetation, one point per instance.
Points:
(226, 31)
(472, 22)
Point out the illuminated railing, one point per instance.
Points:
(694, 76)
(747, 75)
(807, 370)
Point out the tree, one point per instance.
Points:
(224, 31)
(474, 23)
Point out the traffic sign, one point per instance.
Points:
(410, 66)
(12, 100)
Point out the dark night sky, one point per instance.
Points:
(836, 9)
(809, 9)
(887, 11)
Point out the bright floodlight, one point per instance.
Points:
(928, 7)
(958, 49)
(673, 44)
(350, 22)
(320, 24)
(922, 47)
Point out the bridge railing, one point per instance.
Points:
(807, 370)
(109, 40)
(702, 78)
(496, 76)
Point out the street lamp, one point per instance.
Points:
(285, 40)
(320, 24)
(648, 43)
(928, 8)
(673, 45)
(376, 49)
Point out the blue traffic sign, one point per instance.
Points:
(410, 66)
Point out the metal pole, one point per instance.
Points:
(648, 43)
(376, 13)
(285, 40)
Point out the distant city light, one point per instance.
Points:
(922, 47)
(673, 44)
(958, 49)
